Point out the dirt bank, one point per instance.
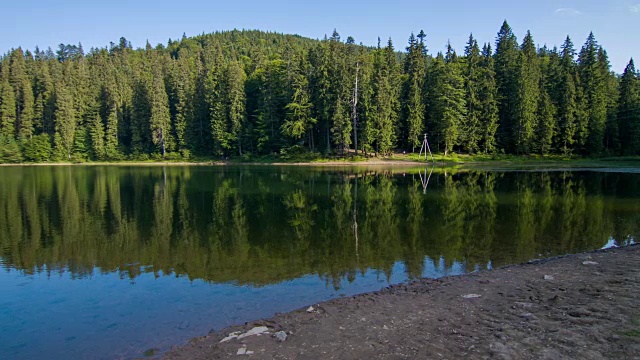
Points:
(584, 306)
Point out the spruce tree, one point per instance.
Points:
(472, 131)
(448, 104)
(321, 88)
(236, 104)
(160, 119)
(298, 120)
(611, 91)
(488, 102)
(629, 110)
(65, 122)
(594, 92)
(7, 109)
(385, 99)
(566, 99)
(528, 96)
(507, 60)
(413, 103)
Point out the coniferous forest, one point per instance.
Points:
(245, 93)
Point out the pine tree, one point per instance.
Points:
(341, 125)
(413, 103)
(507, 60)
(528, 96)
(488, 101)
(566, 98)
(629, 110)
(321, 88)
(594, 92)
(365, 108)
(385, 99)
(160, 119)
(448, 104)
(546, 122)
(298, 120)
(27, 113)
(611, 95)
(65, 122)
(472, 131)
(7, 109)
(182, 88)
(236, 103)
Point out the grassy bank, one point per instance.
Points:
(317, 159)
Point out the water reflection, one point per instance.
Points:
(106, 262)
(264, 225)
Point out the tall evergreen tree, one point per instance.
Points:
(413, 101)
(472, 130)
(298, 120)
(65, 122)
(611, 90)
(488, 102)
(236, 103)
(594, 94)
(449, 105)
(507, 59)
(385, 98)
(629, 110)
(7, 109)
(528, 96)
(160, 118)
(566, 98)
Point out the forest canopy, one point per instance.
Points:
(244, 93)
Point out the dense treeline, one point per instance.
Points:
(261, 227)
(243, 93)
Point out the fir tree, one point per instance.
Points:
(298, 120)
(65, 122)
(594, 92)
(472, 131)
(566, 98)
(413, 102)
(160, 119)
(488, 101)
(629, 110)
(507, 59)
(449, 105)
(7, 109)
(527, 97)
(236, 103)
(385, 97)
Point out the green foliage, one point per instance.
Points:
(448, 104)
(528, 96)
(629, 110)
(9, 150)
(37, 149)
(252, 92)
(413, 99)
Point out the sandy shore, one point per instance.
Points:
(584, 306)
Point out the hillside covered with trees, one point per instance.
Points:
(246, 93)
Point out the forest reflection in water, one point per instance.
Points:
(263, 225)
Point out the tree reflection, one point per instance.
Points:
(260, 226)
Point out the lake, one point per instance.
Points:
(107, 262)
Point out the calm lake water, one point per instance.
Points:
(109, 262)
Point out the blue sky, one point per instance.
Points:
(616, 23)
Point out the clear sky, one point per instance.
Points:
(615, 23)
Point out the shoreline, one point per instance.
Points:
(573, 306)
(524, 163)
